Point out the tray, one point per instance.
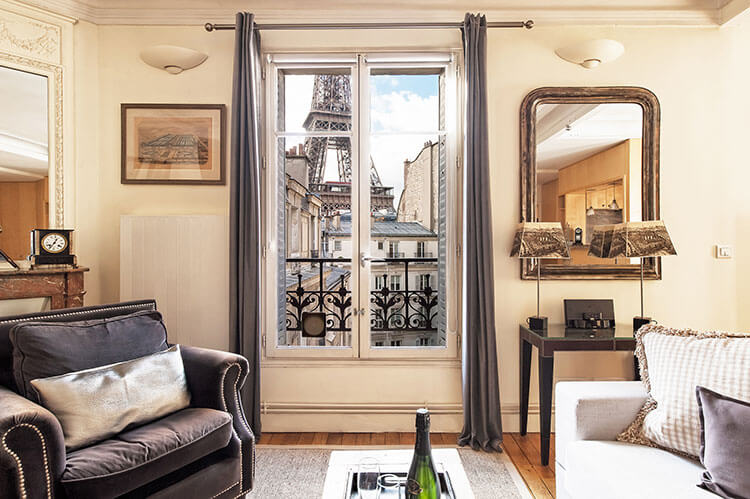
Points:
(352, 481)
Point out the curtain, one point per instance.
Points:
(244, 218)
(481, 396)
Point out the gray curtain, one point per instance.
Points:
(481, 397)
(244, 230)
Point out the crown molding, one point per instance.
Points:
(542, 17)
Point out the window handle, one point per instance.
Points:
(364, 258)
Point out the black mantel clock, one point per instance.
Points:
(51, 247)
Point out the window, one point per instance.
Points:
(395, 283)
(393, 250)
(379, 282)
(362, 153)
(424, 281)
(423, 342)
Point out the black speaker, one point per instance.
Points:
(640, 321)
(537, 323)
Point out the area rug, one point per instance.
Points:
(299, 472)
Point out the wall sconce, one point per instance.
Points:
(591, 53)
(172, 59)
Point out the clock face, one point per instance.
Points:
(54, 243)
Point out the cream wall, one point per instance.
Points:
(110, 72)
(698, 75)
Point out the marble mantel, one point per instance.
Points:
(64, 286)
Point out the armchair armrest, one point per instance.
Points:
(594, 410)
(215, 380)
(32, 448)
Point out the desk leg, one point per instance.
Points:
(546, 365)
(523, 376)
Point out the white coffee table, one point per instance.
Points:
(342, 461)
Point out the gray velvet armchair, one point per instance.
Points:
(204, 451)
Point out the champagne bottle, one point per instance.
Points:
(422, 481)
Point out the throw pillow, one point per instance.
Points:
(44, 349)
(725, 444)
(673, 362)
(94, 404)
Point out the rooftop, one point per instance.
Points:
(384, 228)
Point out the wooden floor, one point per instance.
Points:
(523, 451)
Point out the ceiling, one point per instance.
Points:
(23, 126)
(634, 12)
(568, 133)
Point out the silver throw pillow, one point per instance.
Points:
(97, 403)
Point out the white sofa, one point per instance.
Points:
(589, 463)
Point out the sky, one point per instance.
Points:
(402, 108)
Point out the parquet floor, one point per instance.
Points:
(523, 451)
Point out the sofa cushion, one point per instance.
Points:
(98, 403)
(673, 362)
(617, 470)
(44, 349)
(139, 456)
(725, 444)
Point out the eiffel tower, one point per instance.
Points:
(331, 111)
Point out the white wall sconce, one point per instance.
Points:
(591, 53)
(172, 59)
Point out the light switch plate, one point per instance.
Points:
(724, 252)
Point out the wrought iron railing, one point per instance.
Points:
(321, 285)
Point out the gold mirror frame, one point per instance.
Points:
(649, 176)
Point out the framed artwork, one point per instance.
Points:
(172, 143)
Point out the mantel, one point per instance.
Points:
(64, 286)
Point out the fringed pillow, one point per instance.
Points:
(673, 362)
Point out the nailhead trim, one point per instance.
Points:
(242, 418)
(21, 478)
(217, 495)
(83, 312)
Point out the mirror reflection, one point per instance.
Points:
(24, 159)
(588, 171)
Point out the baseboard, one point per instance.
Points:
(377, 417)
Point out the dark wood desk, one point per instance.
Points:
(558, 338)
(64, 286)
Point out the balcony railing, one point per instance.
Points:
(422, 254)
(321, 285)
(395, 254)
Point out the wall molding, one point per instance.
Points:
(688, 17)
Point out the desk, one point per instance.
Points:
(558, 338)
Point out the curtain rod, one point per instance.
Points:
(434, 25)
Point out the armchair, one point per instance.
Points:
(206, 450)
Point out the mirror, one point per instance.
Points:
(589, 157)
(24, 159)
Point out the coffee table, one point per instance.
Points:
(342, 461)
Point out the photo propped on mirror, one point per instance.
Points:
(588, 167)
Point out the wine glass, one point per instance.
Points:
(367, 482)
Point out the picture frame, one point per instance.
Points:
(173, 144)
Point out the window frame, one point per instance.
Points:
(360, 348)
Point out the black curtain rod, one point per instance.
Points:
(435, 25)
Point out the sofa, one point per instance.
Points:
(590, 463)
(206, 450)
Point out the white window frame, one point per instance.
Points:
(359, 65)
